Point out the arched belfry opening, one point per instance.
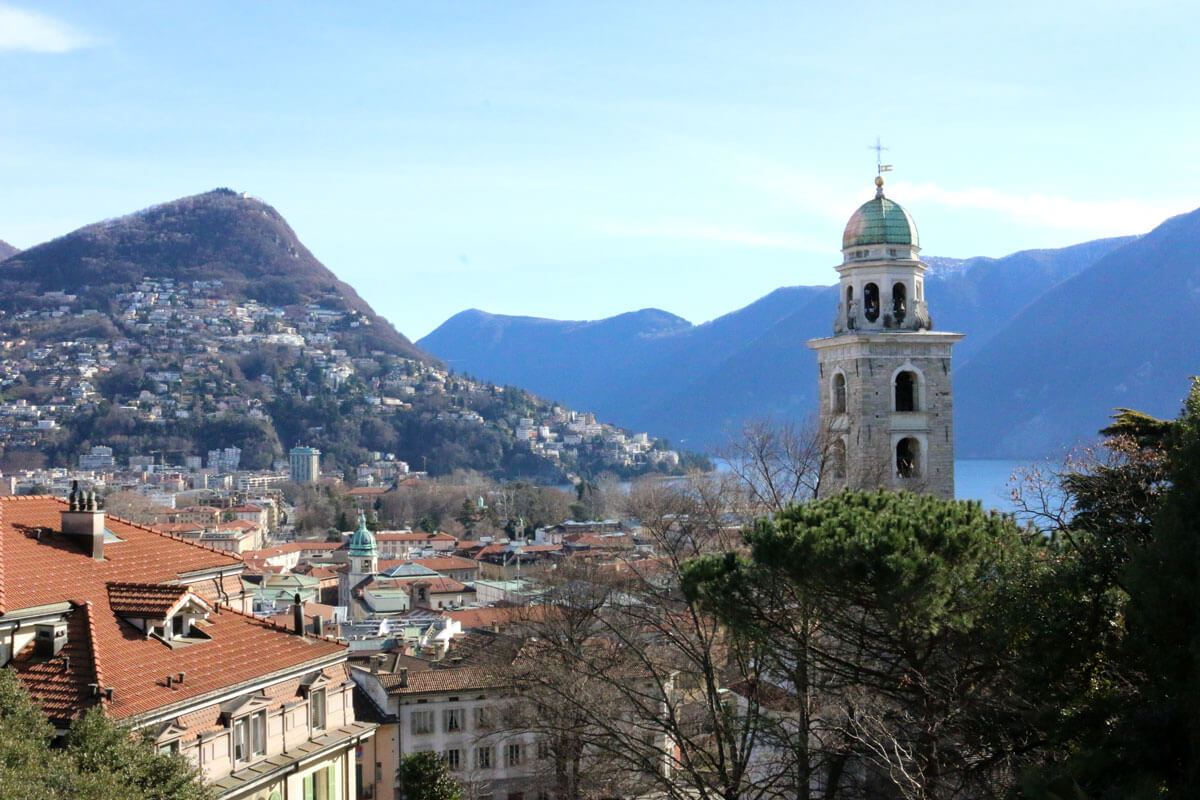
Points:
(906, 391)
(908, 458)
(899, 302)
(839, 393)
(871, 302)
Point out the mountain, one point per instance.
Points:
(204, 324)
(697, 384)
(1121, 333)
(6, 250)
(219, 236)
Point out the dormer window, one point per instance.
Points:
(250, 736)
(167, 613)
(247, 719)
(314, 686)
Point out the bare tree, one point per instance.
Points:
(634, 688)
(778, 463)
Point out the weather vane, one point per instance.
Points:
(879, 165)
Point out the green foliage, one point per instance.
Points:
(425, 776)
(100, 760)
(913, 618)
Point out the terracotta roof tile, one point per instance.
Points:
(486, 617)
(43, 566)
(442, 680)
(143, 599)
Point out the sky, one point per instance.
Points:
(577, 160)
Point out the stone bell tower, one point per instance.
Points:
(884, 375)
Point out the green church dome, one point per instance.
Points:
(362, 543)
(880, 221)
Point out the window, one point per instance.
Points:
(320, 785)
(483, 718)
(483, 757)
(871, 302)
(316, 709)
(908, 458)
(512, 755)
(839, 393)
(250, 736)
(452, 760)
(452, 719)
(169, 748)
(422, 722)
(837, 459)
(543, 748)
(178, 626)
(906, 391)
(899, 302)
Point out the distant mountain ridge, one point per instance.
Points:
(219, 235)
(7, 250)
(1055, 339)
(204, 323)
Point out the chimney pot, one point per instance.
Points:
(298, 615)
(403, 671)
(179, 677)
(170, 680)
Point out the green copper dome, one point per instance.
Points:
(362, 543)
(880, 221)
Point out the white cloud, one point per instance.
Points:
(705, 232)
(37, 33)
(1107, 216)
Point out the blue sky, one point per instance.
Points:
(576, 160)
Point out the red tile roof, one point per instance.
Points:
(144, 599)
(486, 617)
(39, 565)
(437, 584)
(455, 679)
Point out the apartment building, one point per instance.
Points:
(96, 611)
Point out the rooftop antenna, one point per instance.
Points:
(880, 167)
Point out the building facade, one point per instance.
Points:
(305, 464)
(886, 406)
(96, 611)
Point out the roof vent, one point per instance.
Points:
(49, 638)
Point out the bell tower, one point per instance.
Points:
(884, 376)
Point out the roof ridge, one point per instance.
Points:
(99, 675)
(267, 623)
(175, 538)
(2, 573)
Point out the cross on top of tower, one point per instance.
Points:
(880, 167)
(878, 147)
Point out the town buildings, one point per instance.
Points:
(95, 611)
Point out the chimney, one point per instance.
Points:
(375, 662)
(403, 673)
(85, 520)
(318, 625)
(49, 638)
(298, 615)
